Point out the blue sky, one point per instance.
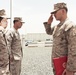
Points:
(35, 12)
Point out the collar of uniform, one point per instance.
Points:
(2, 29)
(61, 23)
(67, 24)
(15, 30)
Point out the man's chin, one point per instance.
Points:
(5, 27)
(57, 19)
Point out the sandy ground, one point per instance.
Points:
(36, 61)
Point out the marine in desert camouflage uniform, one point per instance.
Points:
(4, 56)
(14, 45)
(64, 37)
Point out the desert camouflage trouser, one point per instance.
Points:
(15, 67)
(54, 72)
(4, 70)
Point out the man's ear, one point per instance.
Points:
(63, 10)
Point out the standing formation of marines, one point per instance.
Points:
(10, 46)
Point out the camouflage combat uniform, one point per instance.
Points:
(15, 49)
(4, 56)
(64, 42)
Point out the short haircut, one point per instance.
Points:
(1, 19)
(14, 21)
(65, 9)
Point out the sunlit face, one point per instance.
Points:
(19, 24)
(4, 22)
(58, 14)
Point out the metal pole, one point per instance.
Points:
(10, 13)
(10, 25)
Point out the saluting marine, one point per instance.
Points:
(64, 37)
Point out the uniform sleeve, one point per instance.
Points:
(2, 41)
(48, 29)
(71, 62)
(9, 40)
